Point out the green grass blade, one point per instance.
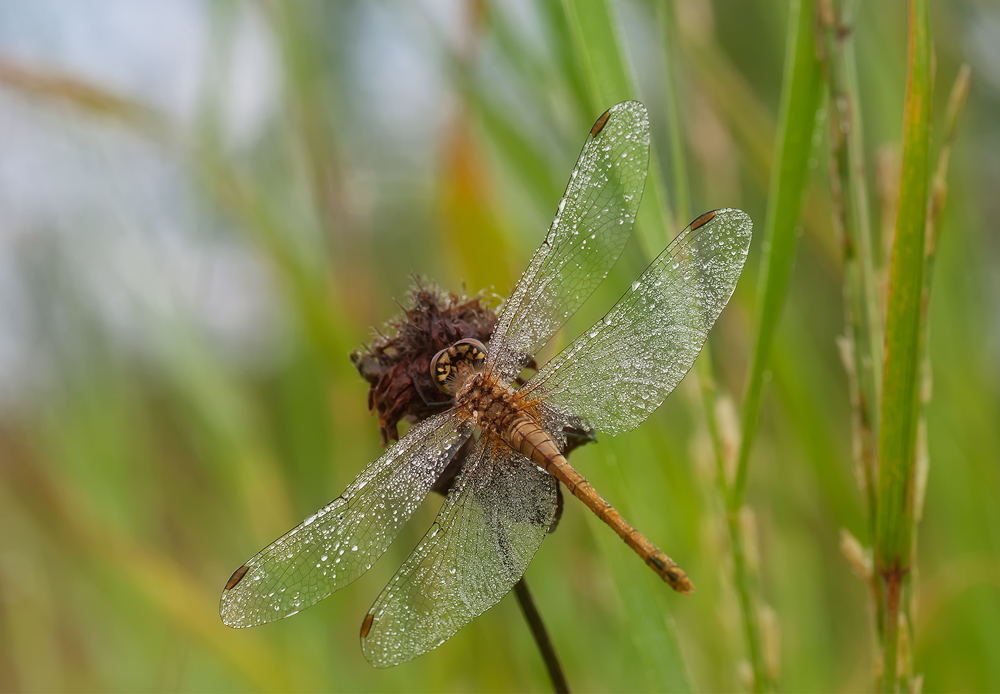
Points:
(852, 217)
(900, 393)
(801, 96)
(801, 92)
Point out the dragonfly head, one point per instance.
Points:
(453, 363)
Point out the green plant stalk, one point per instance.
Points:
(752, 127)
(935, 205)
(852, 220)
(900, 396)
(743, 580)
(800, 101)
(871, 322)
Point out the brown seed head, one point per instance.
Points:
(397, 367)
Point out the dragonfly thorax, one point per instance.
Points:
(489, 403)
(459, 371)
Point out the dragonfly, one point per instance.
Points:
(504, 500)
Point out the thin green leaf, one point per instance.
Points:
(801, 92)
(801, 95)
(900, 394)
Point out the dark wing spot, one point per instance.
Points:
(702, 220)
(366, 625)
(237, 577)
(600, 123)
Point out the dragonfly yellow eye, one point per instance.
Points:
(468, 353)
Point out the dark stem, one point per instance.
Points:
(894, 587)
(541, 635)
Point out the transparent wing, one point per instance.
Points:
(622, 368)
(338, 543)
(489, 528)
(592, 224)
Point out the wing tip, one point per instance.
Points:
(636, 108)
(599, 124)
(734, 218)
(236, 577)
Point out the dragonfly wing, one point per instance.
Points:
(490, 526)
(592, 224)
(341, 541)
(622, 368)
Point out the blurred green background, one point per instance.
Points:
(206, 205)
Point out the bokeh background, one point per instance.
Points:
(206, 205)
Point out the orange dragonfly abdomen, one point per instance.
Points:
(526, 436)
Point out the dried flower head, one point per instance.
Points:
(398, 367)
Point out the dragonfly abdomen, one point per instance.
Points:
(526, 436)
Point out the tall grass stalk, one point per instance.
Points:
(849, 191)
(935, 205)
(900, 395)
(800, 100)
(801, 94)
(744, 582)
(861, 347)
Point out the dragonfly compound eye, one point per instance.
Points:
(464, 355)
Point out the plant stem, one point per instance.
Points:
(900, 393)
(862, 322)
(743, 580)
(801, 91)
(746, 591)
(541, 634)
